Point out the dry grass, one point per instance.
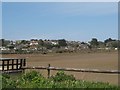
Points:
(104, 61)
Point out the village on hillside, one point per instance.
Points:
(57, 46)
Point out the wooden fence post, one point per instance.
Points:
(24, 64)
(21, 63)
(48, 70)
(7, 64)
(16, 64)
(3, 65)
(12, 64)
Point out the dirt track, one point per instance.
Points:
(103, 61)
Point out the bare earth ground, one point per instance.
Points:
(102, 61)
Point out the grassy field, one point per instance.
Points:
(103, 61)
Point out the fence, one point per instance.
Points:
(11, 64)
(48, 68)
(15, 65)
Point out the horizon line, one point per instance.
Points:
(60, 39)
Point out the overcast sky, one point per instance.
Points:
(50, 20)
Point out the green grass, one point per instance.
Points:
(34, 79)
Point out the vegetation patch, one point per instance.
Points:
(34, 79)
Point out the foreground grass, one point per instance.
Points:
(34, 79)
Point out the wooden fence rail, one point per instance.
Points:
(48, 68)
(8, 65)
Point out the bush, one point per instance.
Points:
(60, 80)
(61, 76)
(7, 82)
(29, 76)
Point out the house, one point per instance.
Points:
(18, 47)
(70, 48)
(33, 42)
(84, 46)
(107, 48)
(116, 48)
(54, 43)
(4, 49)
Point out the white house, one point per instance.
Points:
(4, 48)
(54, 43)
(33, 43)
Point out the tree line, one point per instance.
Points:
(60, 45)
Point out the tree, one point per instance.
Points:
(62, 42)
(82, 42)
(11, 46)
(94, 42)
(24, 42)
(2, 42)
(108, 40)
(113, 44)
(101, 44)
(41, 42)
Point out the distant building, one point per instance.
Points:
(83, 46)
(33, 43)
(54, 43)
(4, 48)
(116, 48)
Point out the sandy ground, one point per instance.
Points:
(102, 61)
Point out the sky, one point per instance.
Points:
(80, 21)
(0, 20)
(60, 0)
